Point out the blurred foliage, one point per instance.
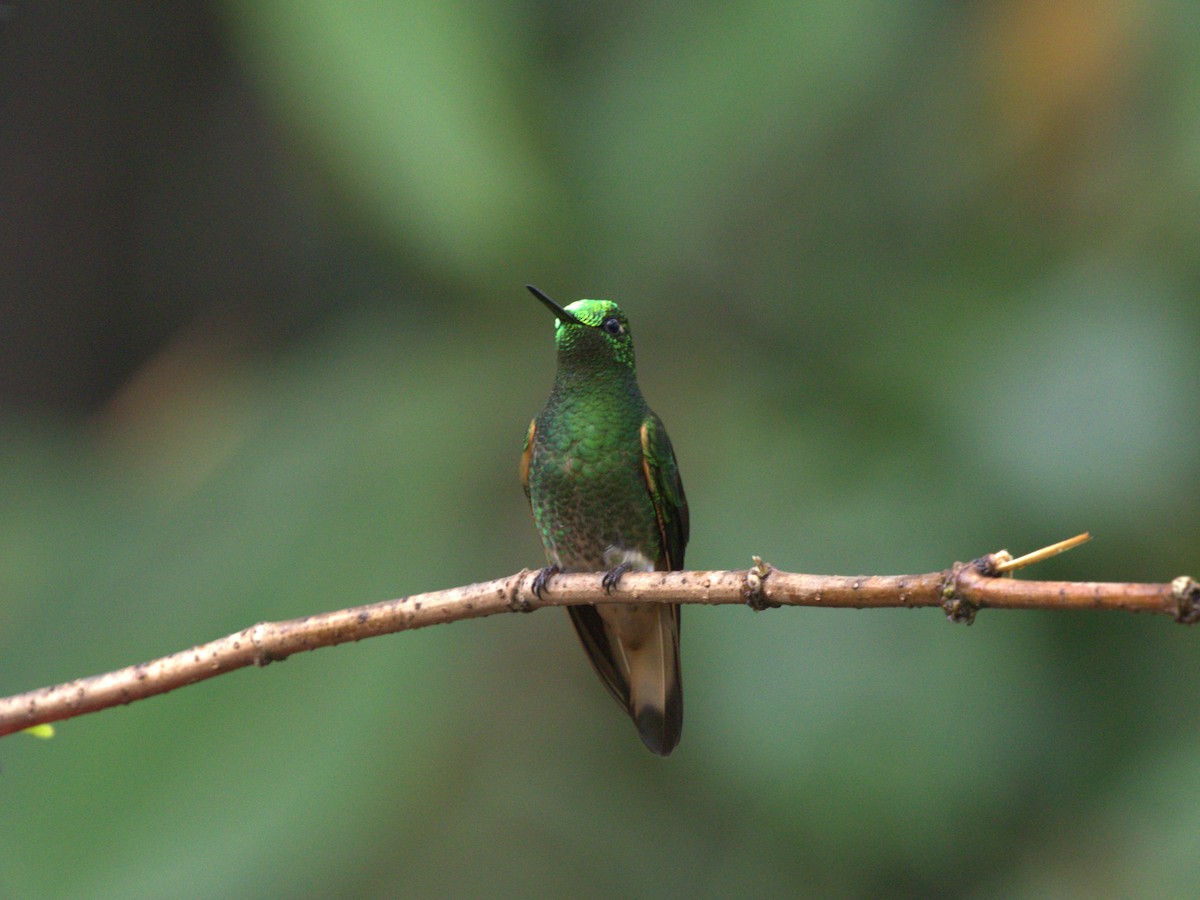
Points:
(911, 283)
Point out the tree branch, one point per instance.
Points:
(961, 591)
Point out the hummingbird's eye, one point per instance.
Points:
(612, 325)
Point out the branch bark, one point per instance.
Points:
(960, 591)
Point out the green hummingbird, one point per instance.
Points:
(604, 488)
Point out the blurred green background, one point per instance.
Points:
(910, 282)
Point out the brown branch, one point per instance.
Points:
(960, 591)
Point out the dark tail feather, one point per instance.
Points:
(643, 675)
(655, 686)
(660, 729)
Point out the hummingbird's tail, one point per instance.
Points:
(635, 649)
(655, 688)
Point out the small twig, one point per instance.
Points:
(1011, 565)
(961, 591)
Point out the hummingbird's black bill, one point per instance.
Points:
(562, 314)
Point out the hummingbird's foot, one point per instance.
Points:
(613, 575)
(540, 579)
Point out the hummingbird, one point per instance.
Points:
(602, 482)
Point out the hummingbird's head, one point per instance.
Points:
(590, 332)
